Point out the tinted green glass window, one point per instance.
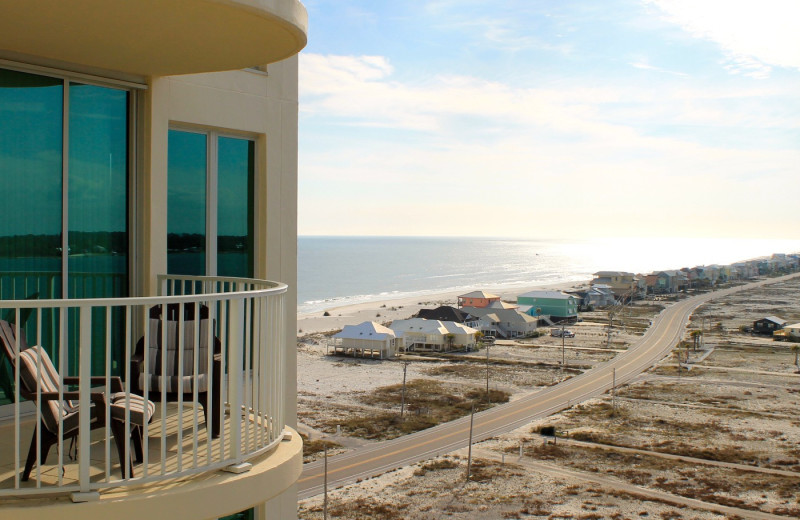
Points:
(31, 139)
(243, 515)
(98, 192)
(186, 203)
(235, 170)
(32, 151)
(31, 142)
(98, 213)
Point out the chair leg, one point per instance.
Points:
(31, 459)
(216, 397)
(203, 398)
(215, 426)
(47, 441)
(137, 435)
(118, 429)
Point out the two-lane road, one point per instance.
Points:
(667, 329)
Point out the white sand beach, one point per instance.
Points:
(401, 308)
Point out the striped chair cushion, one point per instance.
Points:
(141, 411)
(37, 370)
(164, 377)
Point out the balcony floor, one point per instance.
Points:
(169, 429)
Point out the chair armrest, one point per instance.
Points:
(115, 381)
(96, 397)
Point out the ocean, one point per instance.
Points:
(335, 271)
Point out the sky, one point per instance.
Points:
(551, 119)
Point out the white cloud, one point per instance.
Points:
(527, 151)
(753, 35)
(645, 65)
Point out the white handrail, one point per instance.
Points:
(268, 289)
(245, 338)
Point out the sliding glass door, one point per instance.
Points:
(64, 154)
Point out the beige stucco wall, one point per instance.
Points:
(255, 105)
(203, 498)
(153, 37)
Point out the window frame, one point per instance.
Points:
(134, 91)
(212, 176)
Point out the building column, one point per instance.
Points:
(150, 257)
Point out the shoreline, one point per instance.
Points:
(391, 309)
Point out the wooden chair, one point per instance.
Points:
(168, 378)
(37, 372)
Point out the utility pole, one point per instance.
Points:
(325, 482)
(563, 348)
(703, 333)
(403, 398)
(614, 389)
(488, 399)
(610, 324)
(469, 451)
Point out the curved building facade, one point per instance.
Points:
(148, 151)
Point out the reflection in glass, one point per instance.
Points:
(186, 203)
(235, 207)
(98, 216)
(242, 515)
(30, 169)
(98, 192)
(31, 140)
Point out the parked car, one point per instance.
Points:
(556, 333)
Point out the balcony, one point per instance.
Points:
(95, 346)
(154, 37)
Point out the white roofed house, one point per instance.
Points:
(459, 336)
(506, 323)
(792, 331)
(365, 339)
(487, 323)
(418, 334)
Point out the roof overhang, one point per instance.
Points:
(155, 37)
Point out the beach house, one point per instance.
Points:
(623, 284)
(670, 281)
(367, 339)
(768, 325)
(443, 313)
(792, 331)
(502, 305)
(502, 323)
(148, 156)
(598, 295)
(477, 299)
(556, 304)
(419, 334)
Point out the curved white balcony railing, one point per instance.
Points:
(98, 338)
